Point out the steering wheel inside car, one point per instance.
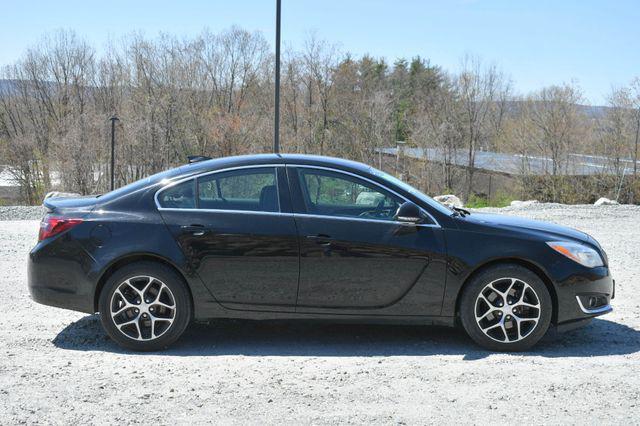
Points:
(380, 212)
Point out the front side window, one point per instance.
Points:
(253, 189)
(337, 194)
(180, 196)
(413, 191)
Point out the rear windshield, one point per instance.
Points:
(142, 183)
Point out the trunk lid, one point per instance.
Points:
(63, 205)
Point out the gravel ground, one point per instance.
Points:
(57, 366)
(21, 212)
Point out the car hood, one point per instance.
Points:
(514, 223)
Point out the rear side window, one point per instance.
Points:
(180, 196)
(253, 189)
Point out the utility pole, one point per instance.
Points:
(113, 119)
(276, 124)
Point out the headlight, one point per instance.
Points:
(582, 254)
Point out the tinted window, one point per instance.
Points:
(336, 194)
(245, 189)
(410, 189)
(142, 184)
(179, 196)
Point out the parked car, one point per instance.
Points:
(291, 237)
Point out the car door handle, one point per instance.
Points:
(322, 239)
(195, 229)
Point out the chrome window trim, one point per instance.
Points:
(260, 212)
(228, 169)
(362, 219)
(435, 223)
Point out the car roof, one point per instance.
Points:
(221, 163)
(242, 160)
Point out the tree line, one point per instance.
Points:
(212, 94)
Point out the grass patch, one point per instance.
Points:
(476, 202)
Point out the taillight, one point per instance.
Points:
(51, 226)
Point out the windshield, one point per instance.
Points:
(413, 191)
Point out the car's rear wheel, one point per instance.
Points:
(506, 308)
(145, 306)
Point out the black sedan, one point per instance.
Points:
(306, 237)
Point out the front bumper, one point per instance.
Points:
(585, 295)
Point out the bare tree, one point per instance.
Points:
(482, 92)
(560, 127)
(320, 59)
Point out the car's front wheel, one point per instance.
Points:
(145, 306)
(506, 308)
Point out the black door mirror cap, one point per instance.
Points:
(409, 212)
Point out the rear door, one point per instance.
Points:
(354, 257)
(236, 228)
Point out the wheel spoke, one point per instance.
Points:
(482, 296)
(121, 310)
(491, 327)
(494, 289)
(163, 287)
(146, 287)
(164, 305)
(153, 327)
(155, 321)
(528, 305)
(131, 286)
(524, 290)
(139, 332)
(132, 321)
(519, 322)
(124, 299)
(504, 331)
(499, 325)
(157, 298)
(126, 305)
(518, 326)
(513, 281)
(486, 314)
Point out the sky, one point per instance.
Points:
(535, 42)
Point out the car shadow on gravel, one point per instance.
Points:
(277, 338)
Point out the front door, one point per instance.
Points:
(231, 227)
(354, 257)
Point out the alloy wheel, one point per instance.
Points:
(507, 310)
(143, 308)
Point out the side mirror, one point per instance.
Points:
(409, 212)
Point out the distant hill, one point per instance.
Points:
(6, 85)
(594, 111)
(591, 111)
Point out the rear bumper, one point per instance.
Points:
(59, 298)
(59, 277)
(583, 296)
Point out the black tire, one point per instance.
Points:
(181, 314)
(495, 274)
